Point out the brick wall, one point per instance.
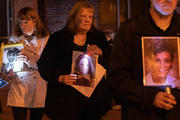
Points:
(9, 10)
(107, 14)
(55, 12)
(58, 10)
(18, 4)
(3, 21)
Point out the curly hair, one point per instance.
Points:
(161, 46)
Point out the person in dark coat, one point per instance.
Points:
(126, 71)
(63, 102)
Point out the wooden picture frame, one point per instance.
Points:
(160, 56)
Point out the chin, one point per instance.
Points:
(162, 75)
(24, 32)
(87, 30)
(166, 12)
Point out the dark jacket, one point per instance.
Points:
(64, 102)
(126, 71)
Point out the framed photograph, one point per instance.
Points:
(160, 61)
(9, 59)
(84, 66)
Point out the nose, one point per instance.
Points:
(88, 19)
(162, 64)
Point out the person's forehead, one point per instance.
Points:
(84, 9)
(163, 53)
(25, 20)
(12, 53)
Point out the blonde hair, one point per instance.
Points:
(71, 24)
(28, 13)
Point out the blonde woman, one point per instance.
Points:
(80, 34)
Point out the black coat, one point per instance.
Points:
(126, 71)
(64, 102)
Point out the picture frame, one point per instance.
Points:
(160, 56)
(84, 67)
(9, 53)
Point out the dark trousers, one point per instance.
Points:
(0, 108)
(21, 113)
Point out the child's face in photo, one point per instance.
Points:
(162, 64)
(11, 57)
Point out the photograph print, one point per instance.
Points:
(84, 66)
(9, 58)
(160, 61)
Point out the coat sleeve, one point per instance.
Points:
(48, 63)
(105, 47)
(124, 70)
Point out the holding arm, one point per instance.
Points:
(48, 63)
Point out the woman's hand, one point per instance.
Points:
(94, 49)
(67, 79)
(8, 75)
(22, 57)
(164, 100)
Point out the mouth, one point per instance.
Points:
(162, 71)
(167, 5)
(86, 24)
